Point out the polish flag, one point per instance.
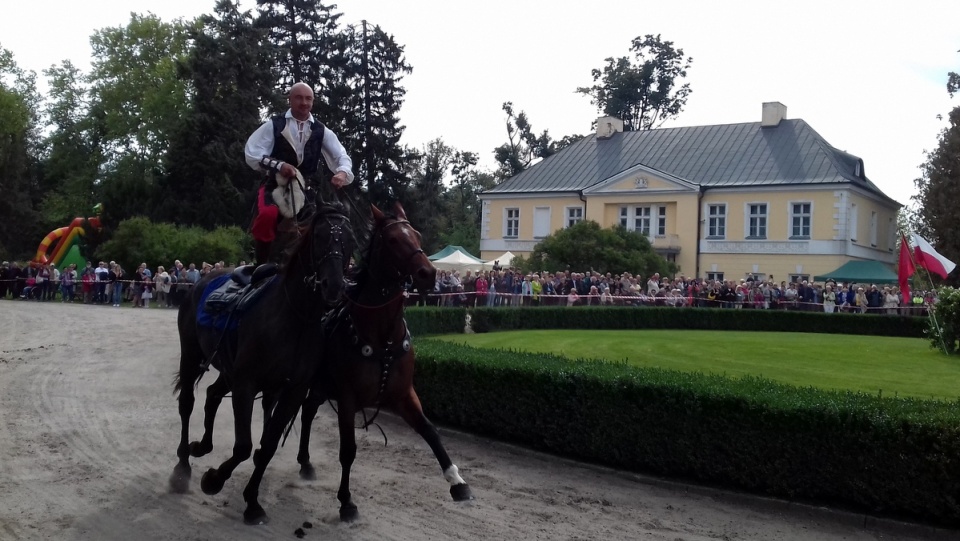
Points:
(929, 258)
(905, 269)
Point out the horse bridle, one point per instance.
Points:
(400, 275)
(336, 249)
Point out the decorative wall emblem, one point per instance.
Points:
(641, 183)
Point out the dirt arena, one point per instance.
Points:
(89, 432)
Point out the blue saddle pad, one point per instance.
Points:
(224, 301)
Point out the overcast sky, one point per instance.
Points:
(870, 77)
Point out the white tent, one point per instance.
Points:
(459, 261)
(504, 260)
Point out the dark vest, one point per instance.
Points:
(311, 151)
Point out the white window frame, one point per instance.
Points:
(764, 217)
(625, 217)
(661, 221)
(642, 219)
(720, 226)
(511, 216)
(570, 219)
(794, 215)
(873, 228)
(853, 222)
(715, 276)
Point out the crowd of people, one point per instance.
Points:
(510, 287)
(108, 284)
(104, 283)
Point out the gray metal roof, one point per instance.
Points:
(725, 155)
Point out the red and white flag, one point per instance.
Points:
(905, 269)
(929, 258)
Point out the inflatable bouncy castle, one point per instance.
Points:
(62, 246)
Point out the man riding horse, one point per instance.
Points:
(286, 148)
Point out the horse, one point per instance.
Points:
(368, 359)
(276, 350)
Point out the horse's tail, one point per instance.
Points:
(177, 383)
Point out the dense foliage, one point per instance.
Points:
(586, 246)
(944, 328)
(645, 91)
(138, 240)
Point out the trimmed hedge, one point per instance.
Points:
(620, 317)
(891, 456)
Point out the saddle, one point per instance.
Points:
(229, 296)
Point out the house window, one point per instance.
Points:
(625, 217)
(853, 222)
(715, 276)
(641, 220)
(799, 278)
(574, 215)
(800, 217)
(717, 221)
(873, 229)
(661, 221)
(512, 227)
(891, 235)
(757, 213)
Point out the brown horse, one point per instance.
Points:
(276, 350)
(368, 355)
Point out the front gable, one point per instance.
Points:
(641, 179)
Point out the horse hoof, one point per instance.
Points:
(211, 483)
(461, 492)
(254, 515)
(198, 449)
(349, 513)
(180, 478)
(308, 472)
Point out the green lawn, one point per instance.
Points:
(895, 366)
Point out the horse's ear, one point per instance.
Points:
(377, 214)
(398, 210)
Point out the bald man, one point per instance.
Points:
(285, 145)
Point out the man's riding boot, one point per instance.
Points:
(261, 250)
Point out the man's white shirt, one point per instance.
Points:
(297, 133)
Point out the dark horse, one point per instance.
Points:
(276, 350)
(368, 356)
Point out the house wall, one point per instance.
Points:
(736, 254)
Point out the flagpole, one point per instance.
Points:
(930, 310)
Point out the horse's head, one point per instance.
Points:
(330, 246)
(400, 254)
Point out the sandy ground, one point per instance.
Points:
(88, 435)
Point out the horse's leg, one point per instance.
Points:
(348, 452)
(215, 393)
(308, 413)
(213, 480)
(190, 359)
(408, 406)
(283, 413)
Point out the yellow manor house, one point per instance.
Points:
(763, 199)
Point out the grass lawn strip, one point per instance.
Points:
(892, 366)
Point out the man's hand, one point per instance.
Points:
(288, 170)
(339, 180)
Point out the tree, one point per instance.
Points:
(206, 180)
(523, 146)
(304, 45)
(644, 93)
(937, 217)
(368, 96)
(74, 154)
(585, 246)
(138, 98)
(19, 177)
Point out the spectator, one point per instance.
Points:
(67, 280)
(162, 286)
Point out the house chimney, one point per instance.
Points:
(773, 113)
(607, 126)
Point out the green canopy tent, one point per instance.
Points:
(450, 250)
(873, 272)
